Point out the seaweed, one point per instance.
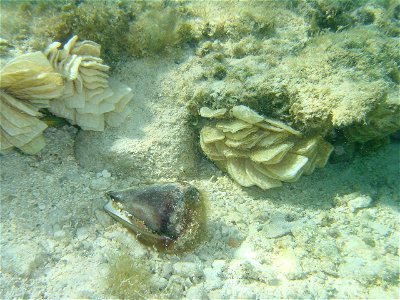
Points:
(128, 277)
(105, 23)
(153, 32)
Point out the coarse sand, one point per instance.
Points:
(333, 234)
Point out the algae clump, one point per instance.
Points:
(128, 278)
(341, 75)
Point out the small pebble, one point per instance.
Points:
(106, 174)
(58, 235)
(100, 184)
(82, 233)
(359, 202)
(277, 226)
(187, 269)
(196, 292)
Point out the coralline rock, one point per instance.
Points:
(27, 84)
(381, 122)
(260, 151)
(90, 98)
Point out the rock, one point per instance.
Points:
(359, 202)
(159, 283)
(187, 269)
(105, 174)
(380, 228)
(196, 292)
(100, 184)
(287, 264)
(22, 259)
(233, 289)
(82, 233)
(214, 274)
(166, 270)
(277, 226)
(213, 281)
(59, 234)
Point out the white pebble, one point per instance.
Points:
(59, 234)
(82, 233)
(187, 269)
(196, 292)
(359, 202)
(100, 184)
(105, 173)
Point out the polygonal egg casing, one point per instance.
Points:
(256, 150)
(168, 216)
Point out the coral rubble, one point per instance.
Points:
(260, 151)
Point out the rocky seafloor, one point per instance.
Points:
(333, 234)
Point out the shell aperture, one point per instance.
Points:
(168, 216)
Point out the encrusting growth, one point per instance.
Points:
(255, 150)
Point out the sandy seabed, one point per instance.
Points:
(333, 234)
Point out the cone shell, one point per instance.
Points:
(167, 216)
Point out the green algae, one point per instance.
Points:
(128, 277)
(317, 64)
